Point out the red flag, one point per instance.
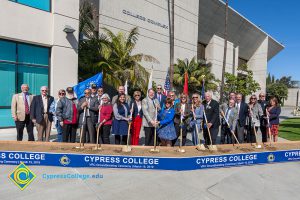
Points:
(186, 88)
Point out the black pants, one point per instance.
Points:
(214, 133)
(121, 139)
(239, 132)
(226, 135)
(105, 132)
(149, 136)
(88, 127)
(20, 125)
(184, 133)
(263, 130)
(251, 134)
(69, 133)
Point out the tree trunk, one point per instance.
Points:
(225, 54)
(171, 31)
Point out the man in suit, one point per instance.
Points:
(212, 113)
(160, 96)
(243, 111)
(121, 90)
(230, 114)
(149, 104)
(40, 115)
(88, 108)
(20, 111)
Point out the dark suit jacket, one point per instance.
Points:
(94, 109)
(37, 108)
(186, 114)
(212, 113)
(244, 110)
(163, 99)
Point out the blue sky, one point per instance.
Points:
(281, 20)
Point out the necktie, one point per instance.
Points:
(26, 105)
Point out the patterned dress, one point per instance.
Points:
(166, 131)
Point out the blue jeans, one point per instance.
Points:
(59, 131)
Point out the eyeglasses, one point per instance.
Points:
(62, 93)
(159, 88)
(262, 96)
(137, 95)
(183, 97)
(253, 98)
(172, 95)
(44, 90)
(86, 93)
(195, 97)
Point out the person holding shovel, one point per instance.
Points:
(197, 110)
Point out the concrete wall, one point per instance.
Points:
(292, 97)
(154, 40)
(214, 54)
(33, 26)
(64, 59)
(258, 64)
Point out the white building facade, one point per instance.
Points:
(34, 48)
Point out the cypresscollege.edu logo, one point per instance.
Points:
(22, 176)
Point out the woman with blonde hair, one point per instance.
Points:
(197, 117)
(182, 113)
(137, 116)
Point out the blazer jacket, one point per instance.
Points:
(37, 108)
(93, 109)
(212, 113)
(148, 107)
(18, 106)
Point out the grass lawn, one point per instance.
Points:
(290, 129)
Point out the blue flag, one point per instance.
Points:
(203, 90)
(80, 87)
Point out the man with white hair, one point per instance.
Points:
(40, 115)
(212, 114)
(20, 111)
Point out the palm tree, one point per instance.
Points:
(197, 71)
(120, 60)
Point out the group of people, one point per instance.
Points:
(122, 114)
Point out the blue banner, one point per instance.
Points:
(136, 162)
(80, 87)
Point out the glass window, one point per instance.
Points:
(5, 118)
(39, 4)
(35, 77)
(7, 51)
(30, 54)
(20, 63)
(7, 82)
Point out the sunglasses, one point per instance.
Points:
(159, 88)
(44, 90)
(62, 93)
(195, 97)
(137, 95)
(86, 93)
